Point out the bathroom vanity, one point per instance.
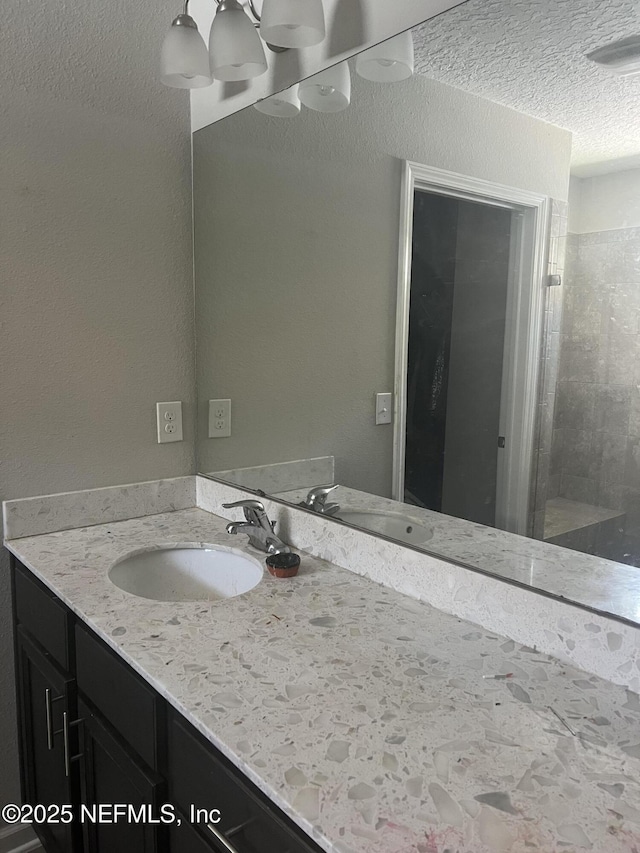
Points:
(324, 712)
(92, 732)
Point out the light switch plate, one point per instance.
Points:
(219, 418)
(169, 422)
(383, 409)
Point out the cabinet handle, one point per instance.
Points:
(47, 704)
(222, 840)
(68, 758)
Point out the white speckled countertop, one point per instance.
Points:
(587, 580)
(374, 721)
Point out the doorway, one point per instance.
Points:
(467, 346)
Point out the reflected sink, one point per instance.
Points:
(186, 573)
(391, 524)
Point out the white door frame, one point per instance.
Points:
(523, 349)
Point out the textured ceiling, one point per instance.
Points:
(530, 55)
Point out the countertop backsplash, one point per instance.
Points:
(595, 643)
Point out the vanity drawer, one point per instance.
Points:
(201, 777)
(133, 708)
(43, 615)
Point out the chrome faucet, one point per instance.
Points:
(316, 500)
(257, 527)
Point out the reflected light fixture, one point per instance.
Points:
(282, 105)
(236, 50)
(329, 91)
(388, 62)
(292, 23)
(184, 59)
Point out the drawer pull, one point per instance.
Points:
(220, 838)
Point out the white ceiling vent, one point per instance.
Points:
(621, 57)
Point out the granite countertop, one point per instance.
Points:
(595, 582)
(377, 723)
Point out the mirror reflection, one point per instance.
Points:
(431, 298)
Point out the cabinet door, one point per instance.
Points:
(112, 774)
(45, 693)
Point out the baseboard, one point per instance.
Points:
(19, 839)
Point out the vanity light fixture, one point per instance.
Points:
(184, 58)
(282, 105)
(236, 51)
(388, 62)
(329, 91)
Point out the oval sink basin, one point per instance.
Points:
(186, 573)
(391, 524)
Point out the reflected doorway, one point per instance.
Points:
(460, 271)
(469, 327)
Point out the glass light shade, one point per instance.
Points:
(235, 49)
(283, 105)
(184, 62)
(388, 62)
(329, 91)
(292, 23)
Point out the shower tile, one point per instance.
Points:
(613, 408)
(609, 456)
(581, 489)
(578, 453)
(610, 495)
(634, 408)
(624, 304)
(579, 360)
(576, 405)
(632, 463)
(618, 352)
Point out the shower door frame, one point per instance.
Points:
(523, 334)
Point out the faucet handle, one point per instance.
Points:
(318, 494)
(252, 504)
(252, 509)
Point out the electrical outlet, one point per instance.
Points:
(219, 418)
(169, 422)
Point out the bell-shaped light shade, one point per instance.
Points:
(235, 49)
(283, 105)
(184, 60)
(292, 23)
(329, 91)
(388, 62)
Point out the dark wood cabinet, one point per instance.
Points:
(111, 774)
(45, 695)
(93, 732)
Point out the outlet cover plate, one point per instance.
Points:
(169, 422)
(219, 418)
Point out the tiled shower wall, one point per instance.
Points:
(595, 456)
(550, 355)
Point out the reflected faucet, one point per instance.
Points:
(258, 528)
(316, 500)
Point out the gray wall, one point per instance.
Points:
(96, 296)
(296, 261)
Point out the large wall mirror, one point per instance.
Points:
(431, 297)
